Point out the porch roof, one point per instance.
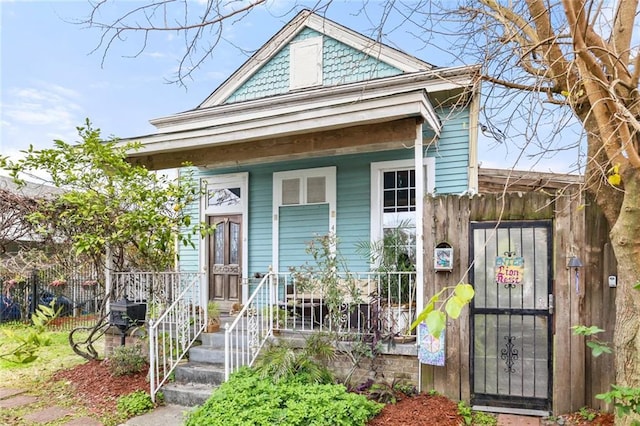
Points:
(266, 128)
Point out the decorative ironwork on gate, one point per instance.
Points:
(510, 314)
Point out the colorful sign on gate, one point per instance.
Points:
(509, 269)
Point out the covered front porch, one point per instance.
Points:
(367, 305)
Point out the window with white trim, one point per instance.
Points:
(299, 187)
(393, 203)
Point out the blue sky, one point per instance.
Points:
(51, 82)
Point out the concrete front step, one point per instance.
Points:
(206, 354)
(202, 373)
(196, 380)
(187, 394)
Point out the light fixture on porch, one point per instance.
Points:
(575, 264)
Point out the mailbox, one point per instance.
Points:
(125, 314)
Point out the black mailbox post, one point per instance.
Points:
(125, 314)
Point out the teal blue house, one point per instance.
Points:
(321, 130)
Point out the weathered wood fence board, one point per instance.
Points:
(577, 231)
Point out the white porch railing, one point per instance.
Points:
(378, 302)
(175, 316)
(247, 334)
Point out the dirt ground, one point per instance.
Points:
(97, 389)
(419, 410)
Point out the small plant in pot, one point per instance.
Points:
(393, 258)
(213, 315)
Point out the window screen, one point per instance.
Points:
(290, 191)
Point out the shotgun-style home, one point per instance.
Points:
(321, 130)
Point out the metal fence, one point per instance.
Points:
(77, 295)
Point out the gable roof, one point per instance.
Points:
(307, 19)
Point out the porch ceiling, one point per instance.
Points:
(364, 138)
(364, 116)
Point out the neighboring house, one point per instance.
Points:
(16, 202)
(321, 130)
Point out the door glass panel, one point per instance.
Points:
(219, 244)
(234, 237)
(222, 197)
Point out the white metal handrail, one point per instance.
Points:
(248, 333)
(383, 302)
(173, 330)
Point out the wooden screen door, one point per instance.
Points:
(511, 314)
(225, 263)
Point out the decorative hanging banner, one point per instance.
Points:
(509, 269)
(430, 349)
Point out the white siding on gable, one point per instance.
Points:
(305, 63)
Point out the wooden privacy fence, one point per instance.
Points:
(578, 229)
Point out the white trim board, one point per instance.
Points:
(329, 174)
(228, 180)
(306, 18)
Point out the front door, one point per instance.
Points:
(225, 249)
(510, 314)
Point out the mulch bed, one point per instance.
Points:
(419, 410)
(97, 389)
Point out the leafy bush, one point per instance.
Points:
(625, 399)
(248, 399)
(135, 403)
(281, 361)
(126, 360)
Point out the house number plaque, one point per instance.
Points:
(509, 269)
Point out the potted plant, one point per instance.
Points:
(213, 315)
(279, 318)
(393, 257)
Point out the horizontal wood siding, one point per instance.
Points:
(353, 196)
(188, 256)
(452, 153)
(260, 220)
(354, 218)
(299, 225)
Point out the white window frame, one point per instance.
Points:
(300, 58)
(240, 180)
(377, 171)
(329, 173)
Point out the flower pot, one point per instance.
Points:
(397, 319)
(213, 327)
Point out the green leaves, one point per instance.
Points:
(598, 348)
(453, 305)
(436, 321)
(106, 201)
(625, 399)
(583, 330)
(25, 343)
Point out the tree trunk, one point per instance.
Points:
(625, 240)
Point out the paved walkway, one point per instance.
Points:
(13, 398)
(515, 420)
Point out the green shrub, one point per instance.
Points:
(248, 399)
(125, 360)
(484, 419)
(134, 404)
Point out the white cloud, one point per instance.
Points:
(37, 115)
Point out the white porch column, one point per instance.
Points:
(419, 171)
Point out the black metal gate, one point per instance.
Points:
(511, 363)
